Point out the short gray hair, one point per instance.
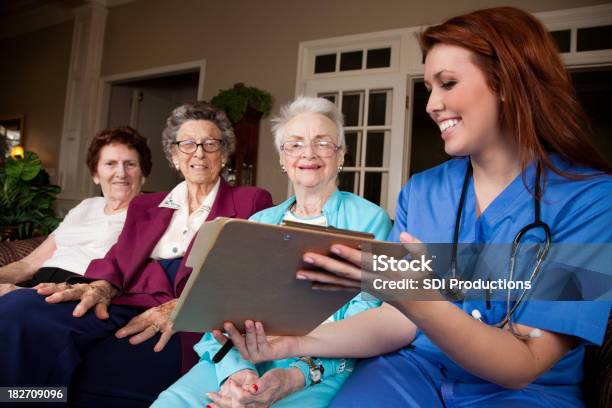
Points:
(307, 104)
(197, 111)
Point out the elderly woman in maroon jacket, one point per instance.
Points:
(44, 338)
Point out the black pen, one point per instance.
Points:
(223, 351)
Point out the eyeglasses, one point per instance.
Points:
(322, 148)
(190, 146)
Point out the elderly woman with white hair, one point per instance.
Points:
(309, 137)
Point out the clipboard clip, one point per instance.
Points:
(333, 230)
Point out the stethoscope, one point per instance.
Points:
(540, 256)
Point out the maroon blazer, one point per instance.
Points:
(141, 281)
(128, 266)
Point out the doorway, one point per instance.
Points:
(143, 100)
(145, 105)
(593, 88)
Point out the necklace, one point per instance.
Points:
(294, 208)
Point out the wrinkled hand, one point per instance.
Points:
(265, 391)
(241, 379)
(96, 294)
(255, 346)
(7, 288)
(147, 324)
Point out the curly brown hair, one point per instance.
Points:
(124, 135)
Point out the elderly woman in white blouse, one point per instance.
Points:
(119, 159)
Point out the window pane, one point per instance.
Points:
(594, 38)
(352, 108)
(378, 111)
(375, 150)
(353, 144)
(379, 58)
(332, 97)
(372, 186)
(351, 60)
(562, 38)
(325, 63)
(349, 181)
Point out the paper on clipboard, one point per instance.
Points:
(246, 270)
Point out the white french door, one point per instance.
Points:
(374, 118)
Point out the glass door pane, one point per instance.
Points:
(377, 149)
(349, 181)
(353, 148)
(352, 108)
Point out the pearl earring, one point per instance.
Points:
(340, 167)
(283, 169)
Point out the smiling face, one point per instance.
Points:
(461, 102)
(118, 173)
(308, 169)
(199, 168)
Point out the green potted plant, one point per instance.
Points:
(26, 198)
(234, 101)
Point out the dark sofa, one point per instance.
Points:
(597, 385)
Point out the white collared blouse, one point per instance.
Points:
(183, 225)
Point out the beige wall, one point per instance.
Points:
(33, 78)
(256, 42)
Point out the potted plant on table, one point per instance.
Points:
(26, 198)
(244, 106)
(235, 101)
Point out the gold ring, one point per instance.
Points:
(155, 327)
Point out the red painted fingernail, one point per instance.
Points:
(255, 387)
(208, 406)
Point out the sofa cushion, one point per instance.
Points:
(11, 251)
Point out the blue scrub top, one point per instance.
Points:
(577, 211)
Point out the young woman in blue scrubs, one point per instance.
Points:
(505, 107)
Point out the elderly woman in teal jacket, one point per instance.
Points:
(310, 139)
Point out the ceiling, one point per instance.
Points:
(10, 8)
(18, 17)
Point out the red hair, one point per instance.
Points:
(522, 65)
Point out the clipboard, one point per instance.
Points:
(246, 270)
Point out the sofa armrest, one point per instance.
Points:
(597, 382)
(11, 251)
